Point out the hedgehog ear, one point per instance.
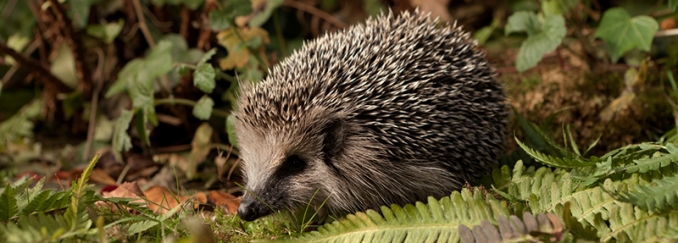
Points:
(334, 137)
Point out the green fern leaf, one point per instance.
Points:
(139, 227)
(654, 198)
(35, 203)
(438, 220)
(651, 164)
(543, 228)
(554, 161)
(75, 215)
(8, 204)
(631, 224)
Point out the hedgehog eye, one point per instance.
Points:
(295, 163)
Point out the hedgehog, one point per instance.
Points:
(391, 111)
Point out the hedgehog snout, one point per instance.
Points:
(251, 209)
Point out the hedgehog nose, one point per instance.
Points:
(246, 210)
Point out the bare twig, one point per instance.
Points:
(8, 75)
(36, 66)
(314, 11)
(83, 73)
(95, 102)
(142, 23)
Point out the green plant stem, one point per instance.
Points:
(179, 101)
(278, 32)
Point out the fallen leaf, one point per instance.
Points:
(161, 200)
(224, 200)
(125, 190)
(100, 176)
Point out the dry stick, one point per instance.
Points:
(142, 23)
(314, 11)
(8, 75)
(95, 101)
(83, 73)
(35, 66)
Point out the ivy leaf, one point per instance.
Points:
(206, 57)
(108, 32)
(543, 36)
(230, 130)
(237, 7)
(522, 21)
(203, 110)
(222, 18)
(622, 33)
(121, 140)
(159, 60)
(219, 20)
(203, 78)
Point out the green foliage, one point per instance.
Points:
(107, 32)
(673, 4)
(203, 110)
(438, 220)
(543, 36)
(20, 125)
(661, 195)
(203, 77)
(25, 218)
(622, 33)
(543, 228)
(222, 18)
(230, 129)
(259, 19)
(121, 140)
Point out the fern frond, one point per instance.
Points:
(8, 204)
(75, 214)
(632, 224)
(658, 197)
(649, 164)
(435, 221)
(542, 140)
(552, 161)
(544, 226)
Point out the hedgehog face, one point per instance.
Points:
(285, 166)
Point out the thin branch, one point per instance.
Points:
(95, 102)
(142, 23)
(314, 11)
(36, 66)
